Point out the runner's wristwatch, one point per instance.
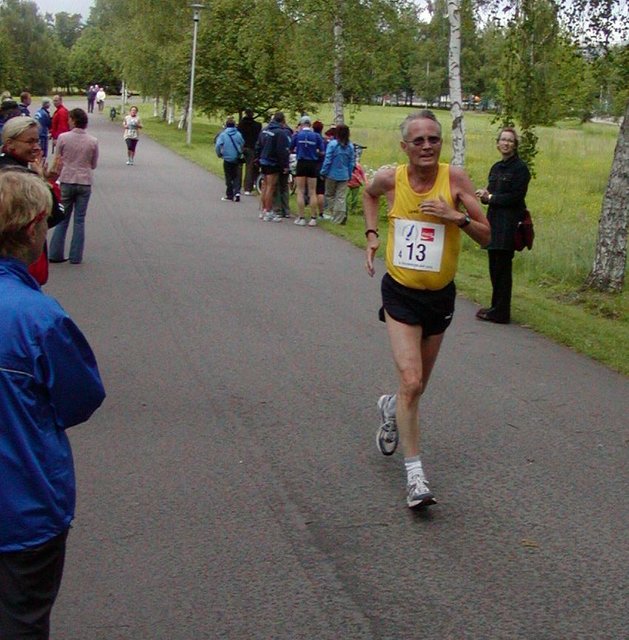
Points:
(465, 222)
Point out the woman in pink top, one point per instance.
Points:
(79, 152)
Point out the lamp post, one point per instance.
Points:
(196, 14)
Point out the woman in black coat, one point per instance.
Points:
(506, 189)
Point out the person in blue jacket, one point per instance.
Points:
(337, 168)
(309, 148)
(49, 381)
(229, 145)
(44, 120)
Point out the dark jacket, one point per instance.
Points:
(273, 146)
(250, 130)
(508, 183)
(57, 214)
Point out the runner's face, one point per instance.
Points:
(422, 143)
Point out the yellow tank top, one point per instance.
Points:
(422, 250)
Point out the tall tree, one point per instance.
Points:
(610, 260)
(29, 41)
(454, 75)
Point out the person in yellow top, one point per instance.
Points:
(430, 205)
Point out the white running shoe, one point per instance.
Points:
(387, 436)
(417, 492)
(312, 222)
(271, 216)
(300, 222)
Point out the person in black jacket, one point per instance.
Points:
(250, 130)
(505, 194)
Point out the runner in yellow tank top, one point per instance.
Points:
(423, 250)
(425, 201)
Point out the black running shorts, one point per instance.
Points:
(307, 168)
(433, 310)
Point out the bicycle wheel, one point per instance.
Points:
(259, 183)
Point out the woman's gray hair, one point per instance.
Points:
(15, 127)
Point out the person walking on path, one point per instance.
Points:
(60, 120)
(250, 129)
(132, 125)
(309, 149)
(425, 220)
(78, 151)
(505, 194)
(337, 169)
(50, 382)
(229, 146)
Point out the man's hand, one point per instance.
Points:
(440, 209)
(372, 246)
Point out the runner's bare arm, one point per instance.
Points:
(382, 183)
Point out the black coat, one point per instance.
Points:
(508, 183)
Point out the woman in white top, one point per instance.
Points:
(132, 124)
(100, 98)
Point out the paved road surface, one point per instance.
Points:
(230, 486)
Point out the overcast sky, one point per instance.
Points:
(69, 6)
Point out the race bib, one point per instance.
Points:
(418, 245)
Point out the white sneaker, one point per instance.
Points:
(327, 216)
(312, 222)
(387, 436)
(128, 161)
(417, 492)
(247, 193)
(271, 216)
(300, 222)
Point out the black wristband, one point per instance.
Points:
(371, 231)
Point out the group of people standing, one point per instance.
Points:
(95, 95)
(323, 165)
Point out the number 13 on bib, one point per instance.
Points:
(418, 245)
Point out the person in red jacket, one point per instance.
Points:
(60, 120)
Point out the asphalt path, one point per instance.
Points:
(230, 486)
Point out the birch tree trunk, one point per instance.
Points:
(339, 117)
(454, 73)
(610, 261)
(156, 107)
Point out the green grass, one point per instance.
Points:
(572, 169)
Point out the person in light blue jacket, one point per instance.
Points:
(49, 381)
(337, 169)
(229, 145)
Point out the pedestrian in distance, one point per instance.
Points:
(308, 146)
(229, 146)
(429, 204)
(60, 120)
(44, 120)
(25, 103)
(78, 151)
(273, 151)
(132, 125)
(50, 382)
(91, 98)
(505, 194)
(250, 129)
(337, 168)
(317, 127)
(100, 99)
